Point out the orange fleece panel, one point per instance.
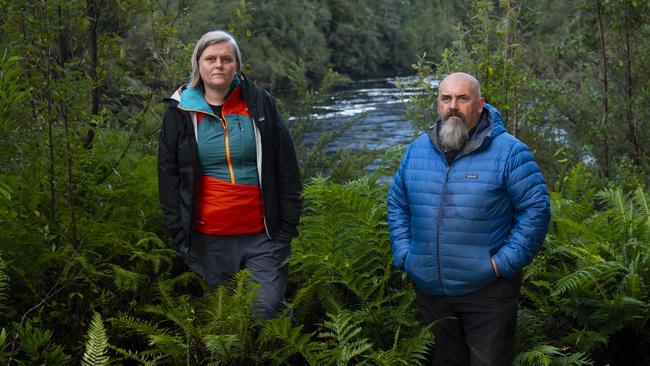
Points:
(224, 208)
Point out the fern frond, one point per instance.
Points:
(539, 355)
(180, 313)
(306, 299)
(570, 229)
(644, 206)
(150, 248)
(3, 339)
(586, 277)
(141, 326)
(126, 280)
(223, 346)
(146, 358)
(96, 343)
(164, 340)
(286, 340)
(342, 331)
(4, 282)
(575, 359)
(170, 343)
(617, 200)
(586, 340)
(229, 309)
(405, 351)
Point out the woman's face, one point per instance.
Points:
(218, 66)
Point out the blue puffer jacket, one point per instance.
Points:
(446, 221)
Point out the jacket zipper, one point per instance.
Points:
(224, 124)
(440, 211)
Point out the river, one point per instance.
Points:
(379, 108)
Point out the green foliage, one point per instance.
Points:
(82, 208)
(4, 353)
(220, 327)
(346, 303)
(37, 347)
(546, 355)
(421, 107)
(285, 340)
(591, 278)
(406, 351)
(96, 343)
(360, 39)
(341, 259)
(342, 331)
(4, 283)
(13, 89)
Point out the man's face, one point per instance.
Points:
(218, 66)
(458, 101)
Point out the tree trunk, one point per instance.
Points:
(92, 12)
(603, 77)
(63, 114)
(633, 136)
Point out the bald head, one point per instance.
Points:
(463, 77)
(459, 96)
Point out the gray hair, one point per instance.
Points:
(204, 42)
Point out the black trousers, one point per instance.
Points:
(475, 329)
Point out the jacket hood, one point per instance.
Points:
(490, 126)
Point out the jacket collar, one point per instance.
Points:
(191, 99)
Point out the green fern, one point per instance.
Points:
(406, 351)
(229, 309)
(285, 340)
(540, 355)
(342, 335)
(166, 342)
(547, 355)
(96, 343)
(616, 199)
(227, 325)
(3, 343)
(4, 283)
(146, 358)
(150, 248)
(138, 325)
(223, 347)
(587, 278)
(586, 340)
(127, 280)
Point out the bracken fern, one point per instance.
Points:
(96, 344)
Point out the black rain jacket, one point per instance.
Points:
(178, 166)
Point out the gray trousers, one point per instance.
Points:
(217, 258)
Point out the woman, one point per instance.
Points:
(228, 177)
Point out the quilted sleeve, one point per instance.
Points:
(527, 192)
(399, 223)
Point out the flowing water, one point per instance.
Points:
(377, 108)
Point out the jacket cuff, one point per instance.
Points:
(399, 259)
(281, 237)
(502, 263)
(177, 239)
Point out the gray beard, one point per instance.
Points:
(453, 134)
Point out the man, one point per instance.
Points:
(467, 210)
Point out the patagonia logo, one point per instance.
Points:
(262, 118)
(471, 176)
